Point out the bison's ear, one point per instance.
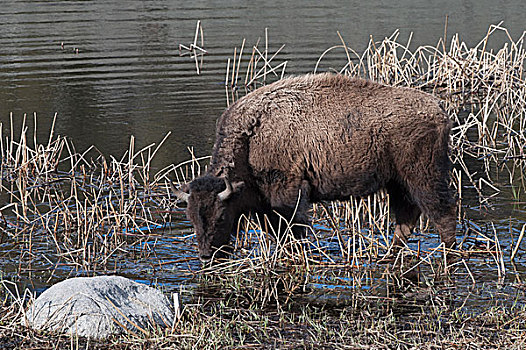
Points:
(182, 194)
(238, 186)
(231, 188)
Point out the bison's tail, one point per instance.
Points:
(440, 201)
(443, 143)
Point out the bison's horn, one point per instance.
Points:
(230, 189)
(181, 195)
(223, 196)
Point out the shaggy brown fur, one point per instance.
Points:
(326, 137)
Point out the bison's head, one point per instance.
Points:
(213, 212)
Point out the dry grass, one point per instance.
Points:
(260, 69)
(85, 212)
(85, 208)
(411, 317)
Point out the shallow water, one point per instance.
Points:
(127, 78)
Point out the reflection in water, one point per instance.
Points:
(128, 79)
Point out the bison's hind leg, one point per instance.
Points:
(438, 204)
(440, 208)
(406, 213)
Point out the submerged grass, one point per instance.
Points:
(70, 213)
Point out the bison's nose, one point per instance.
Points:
(205, 258)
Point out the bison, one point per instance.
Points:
(324, 137)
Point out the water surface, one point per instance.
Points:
(128, 78)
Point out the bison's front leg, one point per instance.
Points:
(283, 220)
(292, 213)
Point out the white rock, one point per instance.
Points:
(95, 306)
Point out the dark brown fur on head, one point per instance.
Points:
(326, 137)
(213, 218)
